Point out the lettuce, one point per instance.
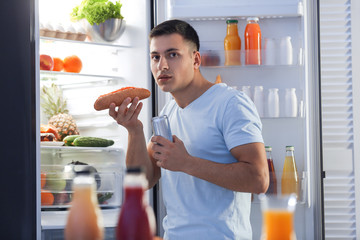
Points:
(96, 11)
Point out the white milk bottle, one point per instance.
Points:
(259, 100)
(290, 102)
(273, 103)
(286, 51)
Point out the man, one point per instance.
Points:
(217, 157)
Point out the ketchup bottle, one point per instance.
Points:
(84, 220)
(136, 220)
(252, 41)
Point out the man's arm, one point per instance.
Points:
(137, 153)
(249, 174)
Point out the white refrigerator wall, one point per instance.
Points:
(277, 19)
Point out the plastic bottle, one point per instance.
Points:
(272, 176)
(271, 51)
(84, 220)
(259, 100)
(252, 41)
(136, 220)
(290, 102)
(273, 103)
(247, 91)
(232, 43)
(290, 177)
(286, 51)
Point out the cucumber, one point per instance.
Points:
(68, 140)
(92, 142)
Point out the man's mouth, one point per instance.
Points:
(164, 77)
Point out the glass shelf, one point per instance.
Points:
(84, 42)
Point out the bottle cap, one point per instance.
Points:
(290, 148)
(256, 19)
(135, 170)
(231, 21)
(268, 148)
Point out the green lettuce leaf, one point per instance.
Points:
(96, 11)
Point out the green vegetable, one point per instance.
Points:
(96, 11)
(92, 142)
(68, 140)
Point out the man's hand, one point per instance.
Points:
(127, 116)
(169, 155)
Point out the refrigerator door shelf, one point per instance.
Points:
(212, 9)
(214, 56)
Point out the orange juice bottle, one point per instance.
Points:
(84, 220)
(290, 178)
(252, 42)
(232, 43)
(136, 219)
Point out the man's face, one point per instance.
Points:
(172, 62)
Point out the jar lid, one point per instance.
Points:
(231, 21)
(268, 148)
(135, 170)
(256, 19)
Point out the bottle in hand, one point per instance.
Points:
(136, 220)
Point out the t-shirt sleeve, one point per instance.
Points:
(241, 122)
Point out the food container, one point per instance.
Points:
(58, 169)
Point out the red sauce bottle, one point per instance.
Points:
(136, 220)
(272, 176)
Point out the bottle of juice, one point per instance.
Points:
(272, 176)
(84, 220)
(252, 41)
(136, 220)
(232, 43)
(290, 178)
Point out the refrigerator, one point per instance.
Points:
(125, 62)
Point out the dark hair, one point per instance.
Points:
(176, 26)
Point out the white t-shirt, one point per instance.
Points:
(219, 120)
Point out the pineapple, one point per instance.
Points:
(55, 107)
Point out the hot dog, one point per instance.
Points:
(118, 96)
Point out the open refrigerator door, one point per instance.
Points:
(92, 66)
(294, 22)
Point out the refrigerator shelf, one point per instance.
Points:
(212, 10)
(53, 39)
(49, 75)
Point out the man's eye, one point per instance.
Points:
(173, 55)
(155, 58)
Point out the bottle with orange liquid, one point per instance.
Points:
(136, 220)
(290, 177)
(232, 43)
(252, 42)
(84, 220)
(272, 176)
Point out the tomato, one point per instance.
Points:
(47, 198)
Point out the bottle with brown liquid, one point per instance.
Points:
(272, 176)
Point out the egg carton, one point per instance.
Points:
(63, 35)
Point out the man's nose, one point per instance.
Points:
(163, 64)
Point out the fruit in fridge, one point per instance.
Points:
(58, 64)
(55, 182)
(46, 62)
(55, 107)
(72, 64)
(47, 198)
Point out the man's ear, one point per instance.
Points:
(197, 60)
